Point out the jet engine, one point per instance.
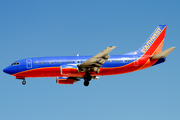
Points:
(65, 80)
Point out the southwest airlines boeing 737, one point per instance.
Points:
(70, 69)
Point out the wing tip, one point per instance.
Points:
(111, 47)
(173, 48)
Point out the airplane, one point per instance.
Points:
(70, 69)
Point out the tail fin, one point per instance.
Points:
(154, 43)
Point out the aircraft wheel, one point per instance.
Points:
(23, 82)
(86, 83)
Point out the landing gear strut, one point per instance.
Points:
(87, 78)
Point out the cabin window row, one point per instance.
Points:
(57, 62)
(118, 61)
(78, 62)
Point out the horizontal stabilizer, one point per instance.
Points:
(162, 54)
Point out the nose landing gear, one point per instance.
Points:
(21, 78)
(24, 82)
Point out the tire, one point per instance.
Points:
(86, 83)
(23, 82)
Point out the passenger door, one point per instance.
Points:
(29, 63)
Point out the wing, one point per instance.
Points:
(97, 60)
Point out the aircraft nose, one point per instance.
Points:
(10, 70)
(6, 70)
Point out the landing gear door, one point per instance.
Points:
(29, 63)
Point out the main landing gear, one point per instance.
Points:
(86, 83)
(87, 78)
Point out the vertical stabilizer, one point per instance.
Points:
(154, 43)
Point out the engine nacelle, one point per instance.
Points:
(65, 80)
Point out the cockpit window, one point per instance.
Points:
(16, 63)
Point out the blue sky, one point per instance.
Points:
(66, 28)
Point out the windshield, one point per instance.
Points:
(16, 63)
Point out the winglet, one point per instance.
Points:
(163, 54)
